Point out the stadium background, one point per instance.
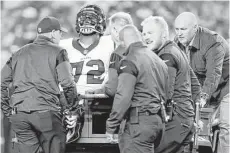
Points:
(19, 18)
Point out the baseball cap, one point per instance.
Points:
(48, 24)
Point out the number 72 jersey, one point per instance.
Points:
(90, 69)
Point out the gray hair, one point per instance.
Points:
(159, 21)
(122, 18)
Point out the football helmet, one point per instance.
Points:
(74, 133)
(90, 19)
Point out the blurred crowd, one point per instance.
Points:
(19, 18)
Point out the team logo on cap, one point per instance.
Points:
(39, 30)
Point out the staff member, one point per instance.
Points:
(183, 83)
(208, 54)
(142, 82)
(35, 72)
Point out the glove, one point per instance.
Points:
(74, 122)
(71, 118)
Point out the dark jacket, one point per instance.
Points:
(142, 82)
(35, 72)
(182, 81)
(209, 59)
(116, 57)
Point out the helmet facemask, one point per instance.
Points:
(90, 20)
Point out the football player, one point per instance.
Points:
(89, 56)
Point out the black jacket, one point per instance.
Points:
(35, 72)
(209, 59)
(183, 83)
(142, 82)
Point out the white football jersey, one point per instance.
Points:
(90, 65)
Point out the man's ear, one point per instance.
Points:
(195, 27)
(52, 34)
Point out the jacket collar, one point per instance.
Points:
(166, 44)
(196, 40)
(121, 50)
(43, 40)
(134, 45)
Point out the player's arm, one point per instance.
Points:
(122, 101)
(172, 70)
(112, 83)
(65, 78)
(6, 79)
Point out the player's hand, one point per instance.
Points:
(94, 91)
(90, 91)
(111, 138)
(202, 102)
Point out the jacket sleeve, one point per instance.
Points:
(111, 85)
(6, 79)
(195, 86)
(214, 62)
(172, 70)
(65, 78)
(122, 100)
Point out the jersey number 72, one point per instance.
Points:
(93, 76)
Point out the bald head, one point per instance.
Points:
(186, 18)
(186, 26)
(129, 34)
